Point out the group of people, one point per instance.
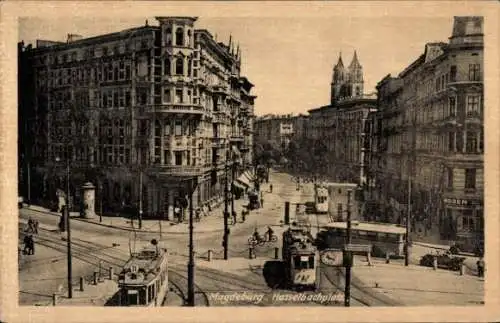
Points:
(29, 242)
(268, 235)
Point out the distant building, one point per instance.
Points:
(430, 127)
(166, 101)
(280, 128)
(340, 126)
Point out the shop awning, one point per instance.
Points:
(243, 180)
(240, 185)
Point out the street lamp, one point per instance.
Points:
(225, 241)
(68, 238)
(190, 297)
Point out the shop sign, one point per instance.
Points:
(462, 202)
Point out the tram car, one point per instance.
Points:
(321, 198)
(143, 280)
(300, 259)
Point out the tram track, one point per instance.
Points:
(360, 295)
(178, 280)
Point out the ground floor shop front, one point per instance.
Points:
(120, 190)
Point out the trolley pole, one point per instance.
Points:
(225, 241)
(347, 291)
(190, 296)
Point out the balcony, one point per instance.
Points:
(219, 117)
(238, 137)
(177, 108)
(177, 142)
(218, 141)
(175, 170)
(473, 118)
(221, 89)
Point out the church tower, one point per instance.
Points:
(355, 86)
(338, 80)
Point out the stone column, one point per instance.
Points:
(88, 200)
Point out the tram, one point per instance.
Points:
(300, 259)
(143, 280)
(321, 198)
(389, 238)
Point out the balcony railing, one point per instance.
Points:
(177, 108)
(176, 170)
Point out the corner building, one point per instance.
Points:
(431, 131)
(163, 105)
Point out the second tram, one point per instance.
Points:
(300, 259)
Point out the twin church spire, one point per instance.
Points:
(347, 83)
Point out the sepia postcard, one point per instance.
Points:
(258, 161)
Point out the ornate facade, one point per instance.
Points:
(430, 128)
(162, 105)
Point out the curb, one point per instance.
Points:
(123, 228)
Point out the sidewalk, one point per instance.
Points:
(209, 223)
(417, 285)
(102, 294)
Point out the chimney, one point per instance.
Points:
(73, 37)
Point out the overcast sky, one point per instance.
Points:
(289, 59)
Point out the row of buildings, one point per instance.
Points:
(419, 139)
(162, 110)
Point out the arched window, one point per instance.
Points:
(179, 37)
(168, 36)
(167, 68)
(189, 38)
(179, 65)
(190, 62)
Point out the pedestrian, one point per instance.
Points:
(31, 245)
(234, 217)
(31, 228)
(261, 202)
(197, 214)
(36, 226)
(270, 188)
(26, 246)
(480, 267)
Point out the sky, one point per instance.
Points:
(288, 59)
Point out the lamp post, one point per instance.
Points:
(347, 290)
(140, 199)
(68, 231)
(225, 241)
(190, 296)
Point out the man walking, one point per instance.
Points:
(480, 267)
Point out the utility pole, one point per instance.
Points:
(68, 231)
(140, 199)
(225, 241)
(233, 172)
(29, 182)
(408, 217)
(190, 296)
(348, 257)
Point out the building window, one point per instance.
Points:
(178, 158)
(167, 96)
(179, 37)
(453, 73)
(178, 128)
(452, 105)
(178, 96)
(168, 36)
(189, 38)
(189, 66)
(470, 178)
(450, 177)
(474, 72)
(167, 67)
(471, 142)
(472, 105)
(179, 66)
(451, 141)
